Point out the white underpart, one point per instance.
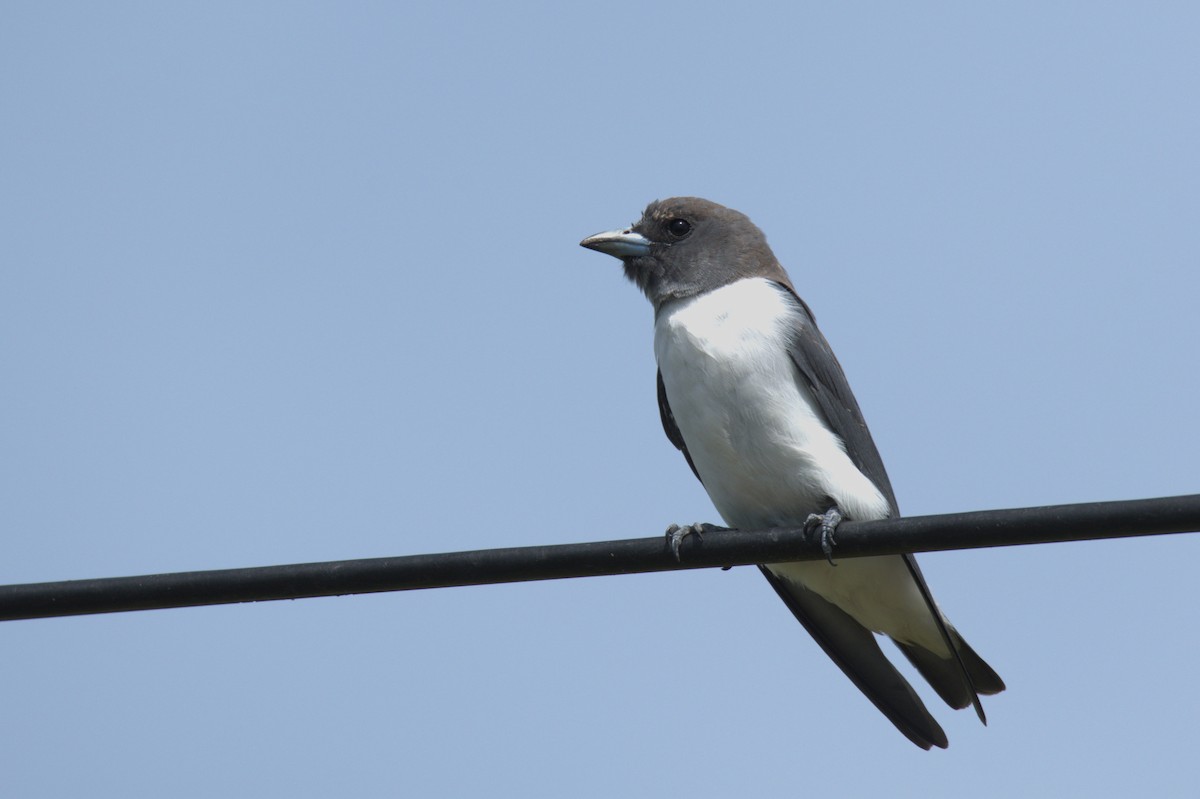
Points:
(763, 451)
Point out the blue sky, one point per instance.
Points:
(297, 282)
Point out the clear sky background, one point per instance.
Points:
(300, 281)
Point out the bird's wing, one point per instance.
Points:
(856, 652)
(818, 368)
(822, 375)
(672, 429)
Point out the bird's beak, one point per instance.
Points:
(618, 243)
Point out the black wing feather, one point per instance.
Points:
(819, 368)
(856, 652)
(672, 429)
(821, 372)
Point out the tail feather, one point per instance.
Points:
(986, 680)
(945, 674)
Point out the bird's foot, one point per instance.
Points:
(676, 534)
(825, 525)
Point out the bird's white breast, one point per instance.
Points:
(756, 437)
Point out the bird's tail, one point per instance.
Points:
(945, 675)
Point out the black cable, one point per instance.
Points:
(990, 528)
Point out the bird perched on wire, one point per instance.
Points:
(751, 393)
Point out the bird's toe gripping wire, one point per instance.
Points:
(825, 526)
(676, 534)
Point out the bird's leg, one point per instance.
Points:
(676, 534)
(825, 525)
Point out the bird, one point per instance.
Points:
(752, 395)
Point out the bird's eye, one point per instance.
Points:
(679, 228)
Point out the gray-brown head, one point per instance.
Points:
(684, 246)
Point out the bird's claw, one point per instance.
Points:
(676, 534)
(825, 525)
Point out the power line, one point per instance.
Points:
(991, 528)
